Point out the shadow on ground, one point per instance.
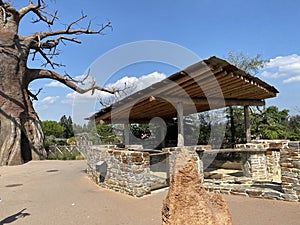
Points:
(14, 217)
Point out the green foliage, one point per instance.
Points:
(63, 129)
(273, 124)
(205, 128)
(67, 124)
(52, 140)
(294, 127)
(64, 155)
(239, 125)
(106, 134)
(140, 131)
(270, 124)
(71, 140)
(246, 63)
(52, 128)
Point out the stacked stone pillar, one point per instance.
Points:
(195, 152)
(290, 171)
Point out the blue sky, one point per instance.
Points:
(206, 27)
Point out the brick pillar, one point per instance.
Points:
(255, 165)
(290, 171)
(273, 165)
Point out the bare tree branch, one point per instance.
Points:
(34, 96)
(39, 45)
(44, 18)
(34, 74)
(48, 61)
(29, 8)
(70, 31)
(120, 93)
(49, 44)
(82, 81)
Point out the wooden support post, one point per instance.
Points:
(163, 132)
(126, 134)
(180, 140)
(247, 124)
(232, 127)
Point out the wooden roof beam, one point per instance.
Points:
(204, 101)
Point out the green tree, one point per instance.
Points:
(52, 128)
(67, 124)
(244, 62)
(205, 128)
(106, 134)
(235, 130)
(140, 131)
(274, 124)
(250, 65)
(294, 128)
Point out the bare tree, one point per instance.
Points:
(121, 91)
(21, 136)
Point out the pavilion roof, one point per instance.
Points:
(210, 84)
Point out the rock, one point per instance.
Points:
(188, 202)
(210, 175)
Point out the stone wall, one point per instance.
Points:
(261, 160)
(290, 171)
(255, 165)
(195, 152)
(271, 169)
(159, 170)
(273, 165)
(119, 169)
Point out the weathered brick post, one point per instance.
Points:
(290, 171)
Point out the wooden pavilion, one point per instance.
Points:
(210, 84)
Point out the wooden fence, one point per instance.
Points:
(64, 152)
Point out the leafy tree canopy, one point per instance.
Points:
(244, 62)
(52, 128)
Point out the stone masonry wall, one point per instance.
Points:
(195, 152)
(290, 171)
(128, 172)
(261, 160)
(255, 165)
(273, 165)
(120, 170)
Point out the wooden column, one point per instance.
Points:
(163, 131)
(126, 134)
(180, 140)
(232, 127)
(247, 124)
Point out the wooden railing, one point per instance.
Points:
(64, 152)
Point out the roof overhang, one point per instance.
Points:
(206, 85)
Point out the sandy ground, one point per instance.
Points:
(59, 192)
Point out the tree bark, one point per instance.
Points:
(21, 136)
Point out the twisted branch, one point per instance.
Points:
(34, 74)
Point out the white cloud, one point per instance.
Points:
(50, 99)
(135, 83)
(292, 79)
(55, 84)
(149, 79)
(70, 97)
(138, 83)
(45, 103)
(283, 67)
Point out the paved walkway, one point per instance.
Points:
(59, 192)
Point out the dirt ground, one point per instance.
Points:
(59, 192)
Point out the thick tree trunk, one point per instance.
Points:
(21, 137)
